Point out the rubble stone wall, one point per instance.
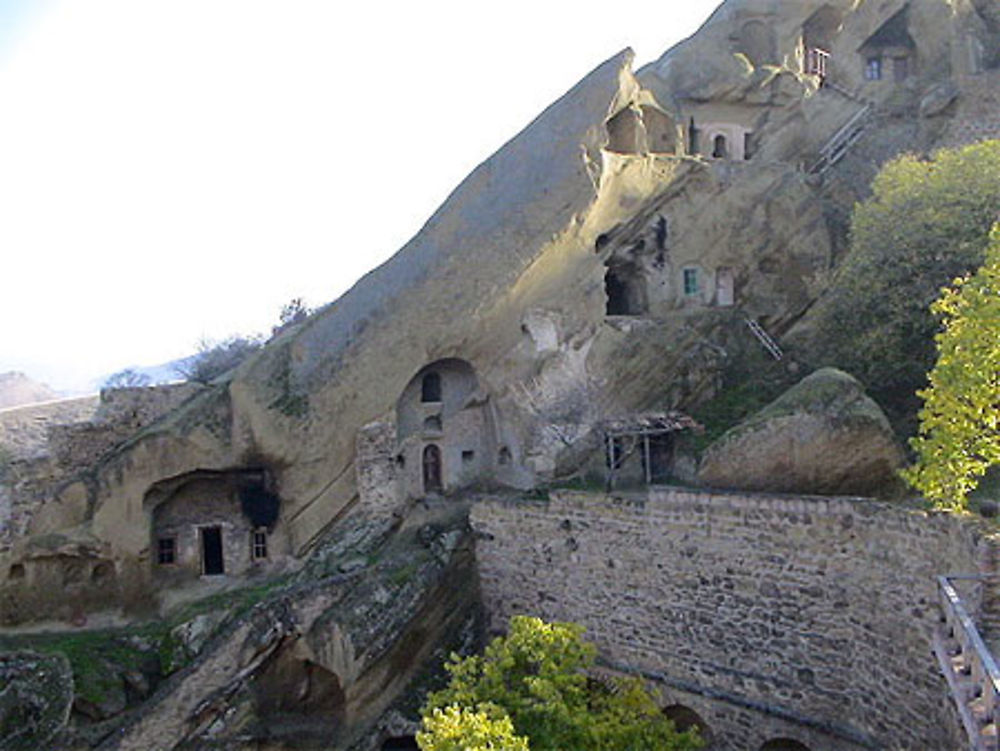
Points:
(770, 616)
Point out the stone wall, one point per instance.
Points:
(24, 430)
(805, 618)
(122, 412)
(978, 111)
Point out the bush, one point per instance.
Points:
(537, 677)
(214, 359)
(125, 379)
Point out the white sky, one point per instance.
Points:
(178, 169)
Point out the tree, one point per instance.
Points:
(459, 729)
(537, 676)
(927, 222)
(292, 312)
(959, 436)
(125, 379)
(214, 359)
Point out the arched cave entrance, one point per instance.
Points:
(445, 434)
(298, 698)
(784, 744)
(685, 718)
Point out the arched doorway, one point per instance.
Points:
(685, 718)
(432, 469)
(784, 744)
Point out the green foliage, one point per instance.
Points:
(214, 359)
(960, 422)
(926, 223)
(537, 677)
(459, 729)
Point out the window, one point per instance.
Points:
(468, 456)
(430, 388)
(166, 550)
(258, 544)
(873, 69)
(690, 281)
(720, 150)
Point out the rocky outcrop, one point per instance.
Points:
(822, 436)
(36, 692)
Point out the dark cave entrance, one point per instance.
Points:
(401, 743)
(625, 289)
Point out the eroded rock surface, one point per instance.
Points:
(36, 692)
(823, 436)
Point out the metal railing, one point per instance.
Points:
(969, 666)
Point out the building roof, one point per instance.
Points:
(650, 422)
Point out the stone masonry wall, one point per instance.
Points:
(770, 616)
(122, 412)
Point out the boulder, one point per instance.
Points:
(822, 436)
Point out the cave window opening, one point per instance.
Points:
(16, 572)
(662, 232)
(504, 456)
(720, 149)
(166, 551)
(625, 290)
(258, 544)
(873, 69)
(430, 388)
(748, 146)
(693, 138)
(103, 572)
(467, 456)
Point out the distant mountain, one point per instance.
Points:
(16, 389)
(165, 372)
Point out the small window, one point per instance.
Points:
(430, 388)
(16, 572)
(873, 69)
(690, 281)
(468, 455)
(259, 544)
(504, 456)
(166, 551)
(720, 149)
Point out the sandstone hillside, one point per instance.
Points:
(17, 389)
